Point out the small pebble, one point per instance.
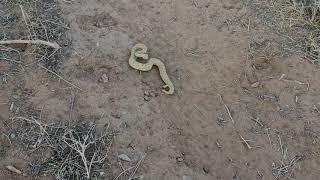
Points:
(124, 157)
(152, 94)
(146, 93)
(11, 107)
(105, 78)
(101, 174)
(179, 159)
(151, 148)
(12, 136)
(146, 98)
(255, 85)
(205, 169)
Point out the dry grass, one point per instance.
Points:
(286, 166)
(67, 151)
(55, 148)
(33, 21)
(296, 20)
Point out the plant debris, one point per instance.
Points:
(73, 151)
(33, 21)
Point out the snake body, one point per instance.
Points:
(140, 51)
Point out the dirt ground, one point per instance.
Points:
(239, 112)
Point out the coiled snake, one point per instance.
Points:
(140, 51)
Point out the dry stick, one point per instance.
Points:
(12, 49)
(200, 111)
(124, 171)
(68, 1)
(10, 60)
(227, 108)
(25, 20)
(39, 42)
(282, 152)
(257, 121)
(269, 137)
(136, 168)
(229, 113)
(60, 77)
(249, 24)
(81, 148)
(246, 142)
(24, 15)
(316, 108)
(7, 138)
(13, 169)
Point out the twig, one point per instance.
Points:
(25, 20)
(282, 78)
(60, 77)
(282, 152)
(218, 143)
(229, 113)
(200, 111)
(257, 121)
(246, 142)
(269, 137)
(7, 138)
(136, 167)
(13, 169)
(227, 108)
(42, 127)
(10, 60)
(11, 49)
(316, 108)
(39, 42)
(80, 148)
(124, 171)
(23, 15)
(68, 1)
(195, 3)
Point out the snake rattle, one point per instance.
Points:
(140, 51)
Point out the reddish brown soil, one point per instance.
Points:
(274, 101)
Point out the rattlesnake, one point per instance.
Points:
(140, 51)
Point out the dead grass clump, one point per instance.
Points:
(301, 16)
(34, 21)
(66, 151)
(286, 166)
(297, 20)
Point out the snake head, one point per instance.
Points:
(167, 89)
(141, 54)
(140, 51)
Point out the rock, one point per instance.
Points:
(124, 157)
(151, 148)
(152, 94)
(179, 159)
(11, 107)
(104, 78)
(255, 85)
(102, 174)
(205, 169)
(147, 98)
(12, 136)
(146, 93)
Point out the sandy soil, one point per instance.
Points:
(273, 102)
